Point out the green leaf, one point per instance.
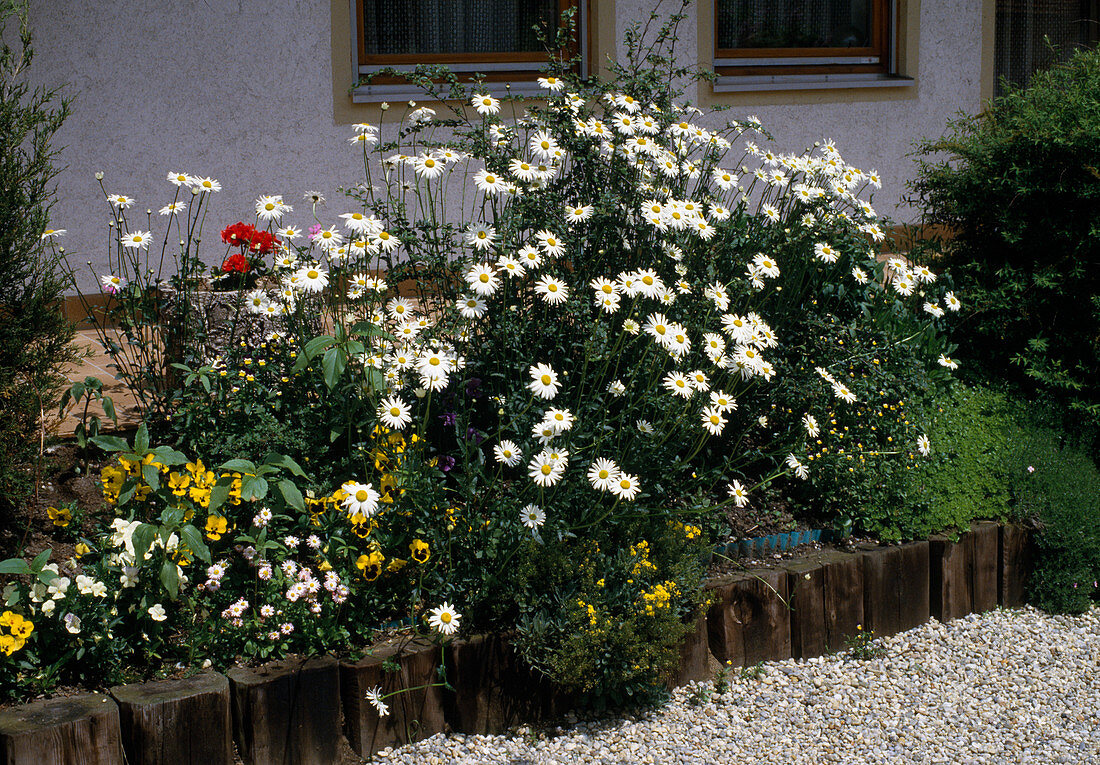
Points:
(317, 344)
(333, 363)
(109, 409)
(143, 539)
(151, 476)
(170, 578)
(141, 440)
(367, 329)
(166, 455)
(41, 559)
(77, 390)
(283, 461)
(253, 487)
(192, 537)
(111, 443)
(292, 496)
(239, 466)
(219, 494)
(16, 566)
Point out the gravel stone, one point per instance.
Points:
(1007, 686)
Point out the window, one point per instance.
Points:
(495, 38)
(833, 43)
(1023, 28)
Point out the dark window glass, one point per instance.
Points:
(794, 24)
(454, 26)
(1024, 28)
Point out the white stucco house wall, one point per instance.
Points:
(258, 95)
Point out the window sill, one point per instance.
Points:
(748, 83)
(369, 94)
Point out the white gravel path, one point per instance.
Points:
(1013, 686)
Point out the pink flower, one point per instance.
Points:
(314, 230)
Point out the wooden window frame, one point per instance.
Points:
(500, 69)
(876, 59)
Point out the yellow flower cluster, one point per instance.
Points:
(643, 564)
(689, 531)
(659, 597)
(14, 631)
(590, 610)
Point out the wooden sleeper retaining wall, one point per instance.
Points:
(294, 711)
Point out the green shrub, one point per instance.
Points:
(1018, 189)
(34, 336)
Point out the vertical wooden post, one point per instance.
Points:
(1015, 565)
(79, 729)
(287, 711)
(177, 722)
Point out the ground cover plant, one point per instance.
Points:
(547, 344)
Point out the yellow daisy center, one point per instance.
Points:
(361, 495)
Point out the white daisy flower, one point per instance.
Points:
(739, 493)
(713, 421)
(552, 290)
(544, 470)
(532, 516)
(578, 214)
(626, 486)
(137, 240)
(361, 498)
(553, 84)
(482, 279)
(472, 307)
(603, 474)
(507, 453)
(924, 445)
(394, 413)
(480, 236)
(444, 619)
(311, 278)
(374, 698)
(544, 381)
(485, 104)
(550, 243)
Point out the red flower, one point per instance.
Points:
(262, 243)
(245, 235)
(238, 233)
(236, 263)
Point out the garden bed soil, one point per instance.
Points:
(26, 530)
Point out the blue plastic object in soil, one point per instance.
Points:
(784, 541)
(815, 535)
(745, 546)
